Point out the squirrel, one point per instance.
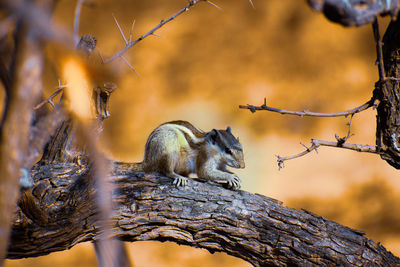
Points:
(177, 149)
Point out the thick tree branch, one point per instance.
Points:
(59, 212)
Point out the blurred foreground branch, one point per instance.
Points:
(354, 12)
(58, 212)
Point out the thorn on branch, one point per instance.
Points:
(60, 89)
(120, 30)
(265, 103)
(214, 5)
(252, 4)
(131, 31)
(301, 143)
(129, 65)
(101, 56)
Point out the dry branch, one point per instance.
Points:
(315, 143)
(255, 228)
(151, 32)
(303, 113)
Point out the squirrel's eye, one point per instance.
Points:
(228, 151)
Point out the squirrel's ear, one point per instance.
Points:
(213, 135)
(228, 129)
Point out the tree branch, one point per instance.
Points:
(26, 86)
(60, 212)
(151, 32)
(303, 113)
(315, 143)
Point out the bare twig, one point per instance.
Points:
(151, 32)
(303, 113)
(340, 143)
(76, 20)
(315, 143)
(49, 100)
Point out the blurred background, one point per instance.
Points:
(205, 64)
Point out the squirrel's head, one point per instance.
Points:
(228, 147)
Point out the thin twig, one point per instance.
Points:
(315, 143)
(120, 30)
(76, 20)
(49, 100)
(303, 113)
(151, 32)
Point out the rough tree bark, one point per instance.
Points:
(388, 117)
(59, 212)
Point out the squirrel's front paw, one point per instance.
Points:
(234, 182)
(180, 181)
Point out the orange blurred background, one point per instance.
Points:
(209, 61)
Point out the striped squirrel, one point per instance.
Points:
(177, 149)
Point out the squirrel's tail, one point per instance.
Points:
(135, 166)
